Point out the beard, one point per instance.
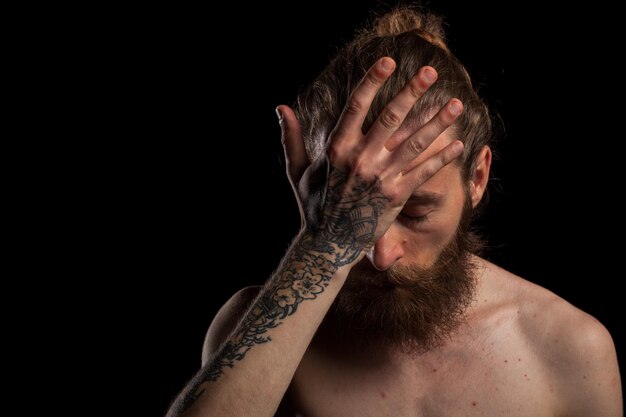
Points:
(409, 307)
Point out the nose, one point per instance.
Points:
(388, 250)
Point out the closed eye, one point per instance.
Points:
(414, 220)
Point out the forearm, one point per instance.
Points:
(251, 371)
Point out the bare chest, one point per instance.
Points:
(476, 381)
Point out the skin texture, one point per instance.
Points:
(513, 360)
(522, 351)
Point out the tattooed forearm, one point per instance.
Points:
(304, 276)
(349, 221)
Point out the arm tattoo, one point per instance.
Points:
(350, 216)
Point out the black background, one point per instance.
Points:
(202, 207)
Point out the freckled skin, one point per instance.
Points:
(470, 369)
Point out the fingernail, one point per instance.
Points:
(456, 107)
(386, 64)
(430, 75)
(458, 148)
(279, 114)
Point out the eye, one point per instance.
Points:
(412, 219)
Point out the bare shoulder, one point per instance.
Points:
(226, 319)
(548, 319)
(575, 348)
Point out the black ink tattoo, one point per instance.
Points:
(350, 217)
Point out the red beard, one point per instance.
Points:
(409, 307)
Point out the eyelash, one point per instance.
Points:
(414, 220)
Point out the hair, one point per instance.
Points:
(413, 39)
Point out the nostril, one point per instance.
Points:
(378, 268)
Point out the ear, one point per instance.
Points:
(480, 176)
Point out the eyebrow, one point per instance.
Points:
(425, 198)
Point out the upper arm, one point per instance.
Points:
(587, 367)
(226, 319)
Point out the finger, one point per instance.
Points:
(358, 105)
(414, 145)
(392, 116)
(296, 159)
(422, 172)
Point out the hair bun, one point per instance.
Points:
(405, 19)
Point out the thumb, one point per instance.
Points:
(296, 159)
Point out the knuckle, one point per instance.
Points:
(354, 106)
(360, 168)
(431, 169)
(414, 146)
(393, 193)
(443, 159)
(366, 167)
(414, 88)
(441, 123)
(389, 119)
(423, 176)
(371, 80)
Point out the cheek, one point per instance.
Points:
(438, 232)
(423, 248)
(426, 243)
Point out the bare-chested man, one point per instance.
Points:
(382, 307)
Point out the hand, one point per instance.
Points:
(350, 197)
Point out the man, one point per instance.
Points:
(381, 306)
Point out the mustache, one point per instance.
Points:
(411, 276)
(398, 276)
